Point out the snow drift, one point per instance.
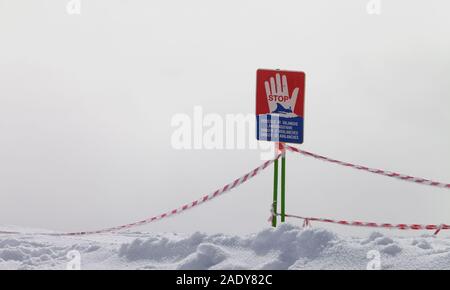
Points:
(286, 247)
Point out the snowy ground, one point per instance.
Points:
(287, 247)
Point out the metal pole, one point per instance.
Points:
(275, 192)
(283, 186)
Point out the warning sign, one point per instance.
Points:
(280, 102)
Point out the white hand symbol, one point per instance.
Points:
(277, 92)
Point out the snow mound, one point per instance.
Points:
(205, 257)
(285, 247)
(161, 247)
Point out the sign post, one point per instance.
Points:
(275, 193)
(279, 118)
(283, 186)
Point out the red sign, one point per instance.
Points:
(280, 105)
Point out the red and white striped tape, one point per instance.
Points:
(400, 176)
(181, 209)
(436, 228)
(257, 170)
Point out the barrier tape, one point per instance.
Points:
(417, 227)
(372, 170)
(181, 209)
(307, 220)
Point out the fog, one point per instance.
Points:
(86, 103)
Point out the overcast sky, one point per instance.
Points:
(86, 103)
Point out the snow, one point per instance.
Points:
(286, 247)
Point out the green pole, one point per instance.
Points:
(275, 192)
(283, 186)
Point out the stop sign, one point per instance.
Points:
(280, 102)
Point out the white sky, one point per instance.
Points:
(86, 102)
